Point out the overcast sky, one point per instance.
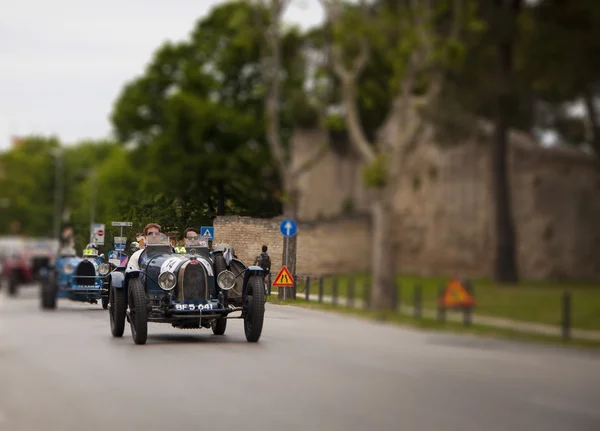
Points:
(64, 62)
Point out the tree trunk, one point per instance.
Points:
(383, 263)
(505, 265)
(592, 112)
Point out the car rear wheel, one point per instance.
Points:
(138, 312)
(116, 311)
(255, 313)
(48, 291)
(105, 303)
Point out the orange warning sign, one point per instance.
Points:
(457, 295)
(284, 278)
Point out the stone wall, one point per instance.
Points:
(323, 247)
(445, 212)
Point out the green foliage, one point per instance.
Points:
(335, 122)
(200, 129)
(26, 185)
(194, 115)
(559, 56)
(375, 174)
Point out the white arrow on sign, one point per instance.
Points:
(288, 226)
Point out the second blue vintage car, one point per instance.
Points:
(185, 288)
(77, 278)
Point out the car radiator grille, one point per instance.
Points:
(193, 282)
(85, 269)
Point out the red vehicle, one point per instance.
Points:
(17, 270)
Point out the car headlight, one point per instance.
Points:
(68, 268)
(104, 268)
(167, 280)
(226, 280)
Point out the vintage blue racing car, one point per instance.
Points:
(76, 278)
(185, 288)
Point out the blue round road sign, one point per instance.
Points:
(288, 227)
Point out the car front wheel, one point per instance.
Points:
(48, 291)
(255, 313)
(116, 298)
(138, 312)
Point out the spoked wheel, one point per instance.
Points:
(48, 291)
(116, 311)
(219, 325)
(138, 312)
(255, 314)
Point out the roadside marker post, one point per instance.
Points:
(458, 295)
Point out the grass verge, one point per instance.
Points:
(530, 301)
(446, 326)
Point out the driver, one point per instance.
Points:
(134, 264)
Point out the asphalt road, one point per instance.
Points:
(311, 370)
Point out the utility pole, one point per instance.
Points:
(58, 190)
(92, 201)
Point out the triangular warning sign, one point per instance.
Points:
(457, 295)
(284, 278)
(207, 234)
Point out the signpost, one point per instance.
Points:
(98, 234)
(284, 278)
(288, 229)
(120, 241)
(121, 224)
(207, 232)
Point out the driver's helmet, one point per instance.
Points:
(90, 250)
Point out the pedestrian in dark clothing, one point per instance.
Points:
(264, 261)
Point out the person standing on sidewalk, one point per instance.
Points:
(264, 261)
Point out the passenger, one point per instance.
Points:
(67, 237)
(134, 264)
(139, 238)
(191, 233)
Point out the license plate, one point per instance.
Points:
(193, 307)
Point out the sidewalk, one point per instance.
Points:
(476, 319)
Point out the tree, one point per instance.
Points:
(268, 18)
(192, 115)
(422, 41)
(26, 186)
(505, 267)
(560, 57)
